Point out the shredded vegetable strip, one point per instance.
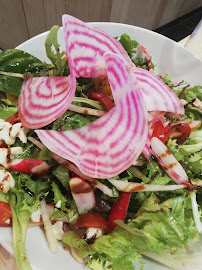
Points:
(51, 238)
(85, 110)
(195, 212)
(126, 186)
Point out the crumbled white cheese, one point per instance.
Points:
(6, 181)
(9, 153)
(93, 232)
(9, 132)
(58, 230)
(36, 215)
(18, 131)
(8, 221)
(58, 204)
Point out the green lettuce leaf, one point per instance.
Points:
(71, 120)
(153, 174)
(7, 109)
(170, 222)
(4, 197)
(118, 248)
(141, 63)
(157, 226)
(68, 207)
(56, 57)
(193, 113)
(190, 153)
(17, 61)
(62, 174)
(45, 154)
(24, 200)
(29, 150)
(98, 263)
(128, 44)
(191, 93)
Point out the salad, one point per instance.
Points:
(100, 151)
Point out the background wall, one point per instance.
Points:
(22, 19)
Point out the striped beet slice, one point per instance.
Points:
(157, 95)
(44, 99)
(112, 143)
(85, 46)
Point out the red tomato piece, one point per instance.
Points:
(5, 214)
(161, 132)
(103, 99)
(93, 220)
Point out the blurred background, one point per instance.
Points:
(23, 19)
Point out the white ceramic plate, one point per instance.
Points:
(169, 57)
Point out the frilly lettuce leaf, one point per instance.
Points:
(191, 93)
(158, 226)
(170, 222)
(186, 258)
(24, 200)
(100, 263)
(68, 207)
(128, 44)
(190, 153)
(118, 248)
(153, 174)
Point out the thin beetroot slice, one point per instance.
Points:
(44, 99)
(112, 143)
(157, 95)
(86, 45)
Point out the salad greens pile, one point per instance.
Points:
(156, 222)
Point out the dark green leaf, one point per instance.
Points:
(62, 174)
(71, 120)
(10, 85)
(17, 61)
(56, 57)
(68, 207)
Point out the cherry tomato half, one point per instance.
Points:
(161, 132)
(93, 220)
(5, 215)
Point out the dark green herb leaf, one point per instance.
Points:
(17, 61)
